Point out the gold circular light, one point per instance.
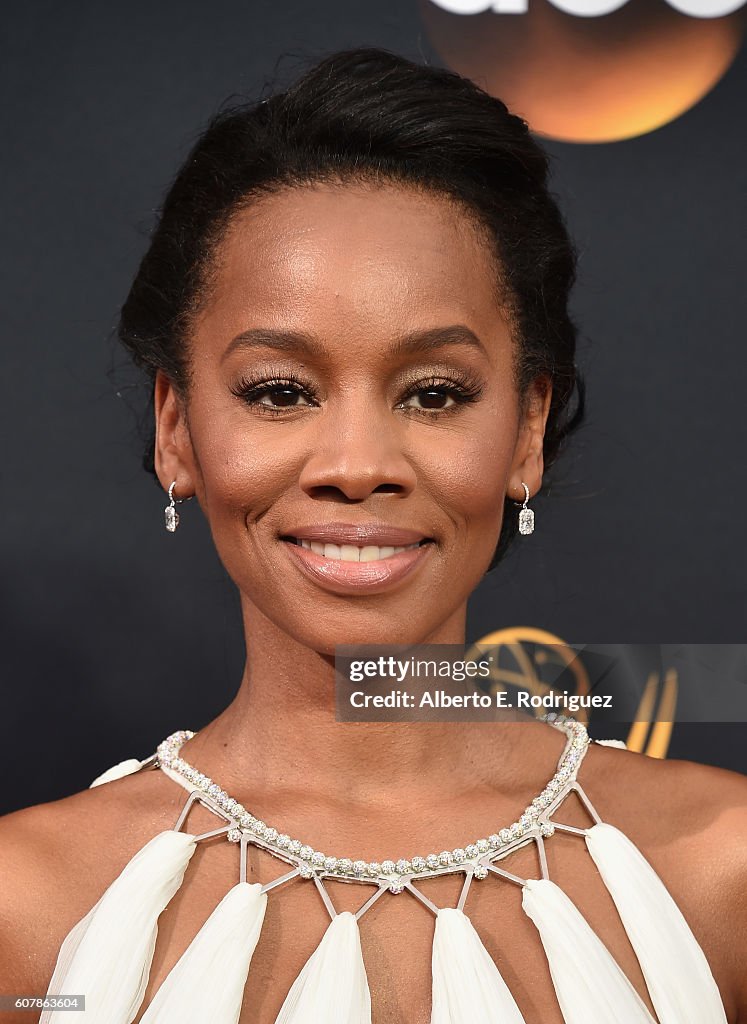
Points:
(587, 78)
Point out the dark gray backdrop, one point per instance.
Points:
(115, 633)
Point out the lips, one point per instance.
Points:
(347, 557)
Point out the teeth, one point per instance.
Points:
(353, 553)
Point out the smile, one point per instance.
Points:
(354, 552)
(343, 567)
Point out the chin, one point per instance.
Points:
(387, 632)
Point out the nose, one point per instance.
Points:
(356, 454)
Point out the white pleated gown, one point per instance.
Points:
(107, 955)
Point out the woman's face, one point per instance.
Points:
(352, 378)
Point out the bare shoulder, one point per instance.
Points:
(669, 798)
(690, 821)
(56, 860)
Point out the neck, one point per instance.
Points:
(279, 743)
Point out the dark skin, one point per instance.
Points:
(358, 268)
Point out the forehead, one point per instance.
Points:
(356, 254)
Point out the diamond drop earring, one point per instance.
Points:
(171, 516)
(526, 516)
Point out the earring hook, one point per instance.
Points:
(526, 496)
(526, 515)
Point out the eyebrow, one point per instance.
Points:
(300, 341)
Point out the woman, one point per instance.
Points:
(354, 314)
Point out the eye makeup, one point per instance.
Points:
(277, 391)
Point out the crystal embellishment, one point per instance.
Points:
(393, 873)
(171, 517)
(526, 521)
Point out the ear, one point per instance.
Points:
(173, 456)
(528, 464)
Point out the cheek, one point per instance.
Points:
(243, 482)
(238, 474)
(468, 473)
(242, 469)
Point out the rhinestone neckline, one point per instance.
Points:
(392, 872)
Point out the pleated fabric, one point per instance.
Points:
(332, 987)
(207, 983)
(679, 979)
(590, 985)
(117, 771)
(107, 955)
(468, 988)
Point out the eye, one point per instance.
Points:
(433, 398)
(437, 395)
(283, 396)
(273, 396)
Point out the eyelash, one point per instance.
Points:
(463, 389)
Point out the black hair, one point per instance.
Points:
(370, 114)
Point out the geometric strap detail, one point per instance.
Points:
(487, 863)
